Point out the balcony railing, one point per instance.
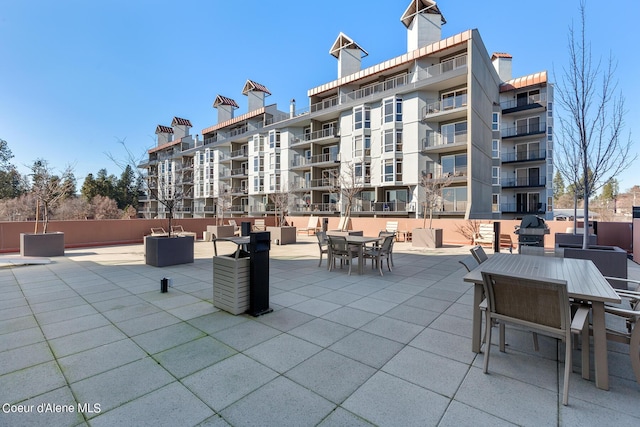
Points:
(318, 158)
(447, 104)
(524, 103)
(395, 206)
(373, 90)
(524, 182)
(438, 174)
(330, 132)
(324, 182)
(523, 130)
(238, 153)
(435, 139)
(522, 208)
(524, 156)
(314, 207)
(239, 171)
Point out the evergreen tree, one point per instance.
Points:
(558, 186)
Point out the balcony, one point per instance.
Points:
(435, 140)
(364, 206)
(239, 172)
(523, 182)
(524, 130)
(317, 208)
(324, 183)
(239, 154)
(524, 104)
(521, 208)
(445, 105)
(330, 132)
(314, 160)
(458, 175)
(524, 156)
(374, 90)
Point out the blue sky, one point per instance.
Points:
(76, 76)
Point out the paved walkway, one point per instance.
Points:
(90, 340)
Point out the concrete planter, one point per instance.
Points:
(43, 245)
(610, 260)
(220, 231)
(574, 239)
(427, 237)
(282, 235)
(163, 251)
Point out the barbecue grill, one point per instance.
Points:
(531, 231)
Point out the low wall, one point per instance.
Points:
(128, 231)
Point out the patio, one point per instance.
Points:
(92, 328)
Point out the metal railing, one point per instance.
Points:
(539, 99)
(318, 158)
(314, 207)
(459, 101)
(435, 139)
(239, 153)
(524, 156)
(528, 129)
(524, 182)
(402, 80)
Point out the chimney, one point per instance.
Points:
(502, 63)
(423, 21)
(256, 93)
(225, 107)
(165, 134)
(180, 127)
(349, 55)
(292, 108)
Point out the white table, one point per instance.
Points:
(584, 282)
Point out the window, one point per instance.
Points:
(361, 118)
(454, 165)
(495, 175)
(391, 113)
(495, 203)
(274, 139)
(550, 109)
(454, 199)
(399, 170)
(367, 145)
(399, 140)
(527, 98)
(357, 146)
(495, 148)
(388, 170)
(495, 122)
(454, 99)
(387, 140)
(454, 132)
(529, 125)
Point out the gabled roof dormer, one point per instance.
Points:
(423, 21)
(225, 107)
(348, 53)
(256, 93)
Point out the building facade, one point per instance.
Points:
(372, 139)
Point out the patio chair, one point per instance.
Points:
(469, 262)
(479, 254)
(323, 245)
(540, 305)
(178, 230)
(378, 253)
(395, 239)
(312, 226)
(629, 310)
(236, 228)
(340, 249)
(158, 231)
(259, 225)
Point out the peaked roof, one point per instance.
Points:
(163, 129)
(250, 85)
(344, 42)
(500, 55)
(420, 6)
(180, 122)
(524, 81)
(223, 100)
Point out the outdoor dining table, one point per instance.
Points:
(360, 241)
(584, 283)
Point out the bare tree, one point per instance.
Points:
(281, 200)
(162, 179)
(48, 189)
(224, 202)
(349, 182)
(591, 149)
(432, 187)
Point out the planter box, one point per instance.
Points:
(163, 251)
(231, 278)
(610, 260)
(574, 239)
(282, 235)
(427, 237)
(43, 245)
(220, 230)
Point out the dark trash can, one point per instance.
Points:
(259, 247)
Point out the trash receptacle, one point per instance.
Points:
(231, 277)
(259, 247)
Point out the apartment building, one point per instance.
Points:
(445, 108)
